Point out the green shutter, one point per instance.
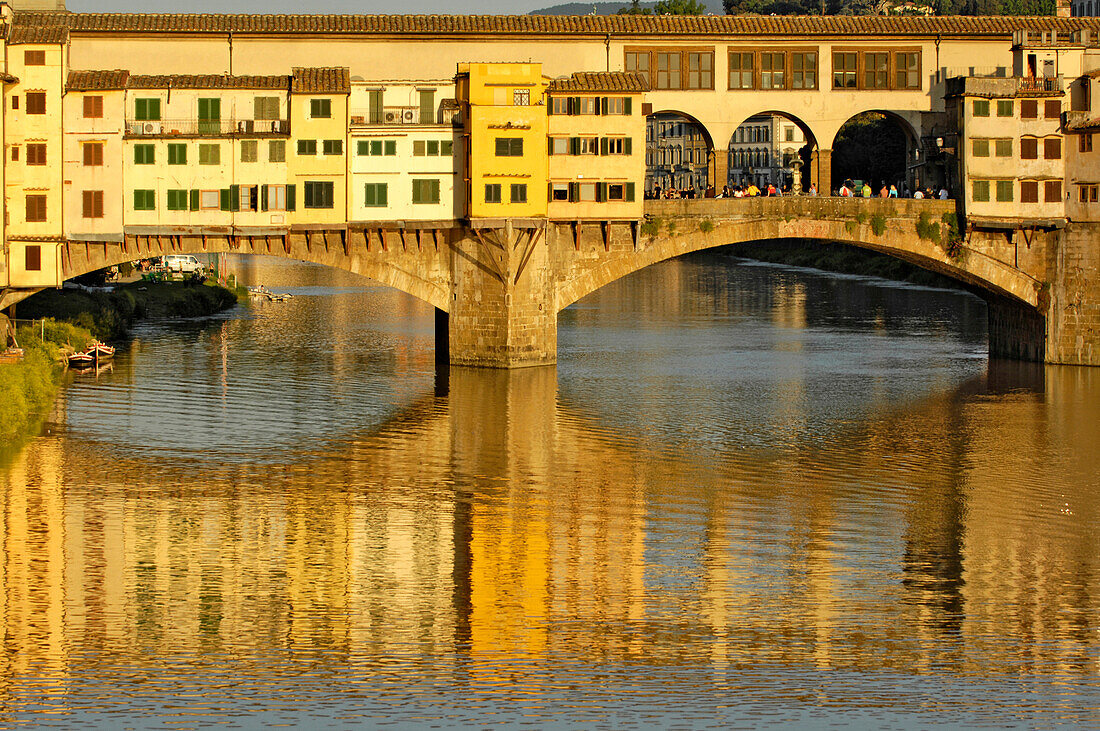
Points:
(549, 145)
(263, 197)
(602, 109)
(234, 197)
(549, 191)
(601, 192)
(549, 105)
(435, 191)
(627, 146)
(603, 145)
(629, 190)
(391, 147)
(574, 145)
(226, 199)
(574, 192)
(194, 199)
(383, 194)
(290, 197)
(626, 106)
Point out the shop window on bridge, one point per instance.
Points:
(979, 191)
(772, 68)
(875, 74)
(668, 71)
(559, 191)
(637, 62)
(804, 70)
(741, 67)
(907, 70)
(844, 70)
(32, 258)
(1052, 191)
(700, 71)
(1052, 148)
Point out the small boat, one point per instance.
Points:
(101, 351)
(82, 360)
(96, 353)
(11, 355)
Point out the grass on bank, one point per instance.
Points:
(27, 389)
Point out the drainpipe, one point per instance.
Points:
(230, 53)
(607, 50)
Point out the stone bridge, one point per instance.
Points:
(498, 285)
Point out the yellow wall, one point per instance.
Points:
(319, 167)
(106, 177)
(492, 115)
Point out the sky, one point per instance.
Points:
(461, 7)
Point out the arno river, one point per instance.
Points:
(746, 495)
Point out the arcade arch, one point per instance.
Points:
(679, 154)
(762, 148)
(880, 147)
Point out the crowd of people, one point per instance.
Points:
(847, 189)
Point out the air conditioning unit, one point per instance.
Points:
(150, 128)
(409, 117)
(393, 117)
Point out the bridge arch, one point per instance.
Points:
(787, 134)
(895, 158)
(400, 260)
(679, 151)
(815, 219)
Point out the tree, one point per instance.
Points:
(634, 9)
(680, 7)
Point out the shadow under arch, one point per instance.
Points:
(679, 151)
(877, 153)
(740, 167)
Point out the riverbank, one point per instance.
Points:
(28, 388)
(110, 315)
(839, 258)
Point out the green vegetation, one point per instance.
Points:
(665, 7)
(110, 315)
(952, 241)
(706, 225)
(878, 224)
(671, 226)
(651, 227)
(877, 7)
(28, 388)
(926, 229)
(851, 226)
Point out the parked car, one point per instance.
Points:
(182, 263)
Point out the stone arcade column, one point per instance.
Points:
(502, 314)
(821, 170)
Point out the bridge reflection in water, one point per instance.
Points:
(493, 545)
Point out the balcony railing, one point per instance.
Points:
(206, 127)
(1005, 88)
(401, 116)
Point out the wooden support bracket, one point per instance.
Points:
(576, 235)
(605, 227)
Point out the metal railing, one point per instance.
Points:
(206, 127)
(401, 116)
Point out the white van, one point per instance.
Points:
(182, 263)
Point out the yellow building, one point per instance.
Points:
(205, 153)
(596, 145)
(33, 85)
(504, 116)
(95, 114)
(317, 163)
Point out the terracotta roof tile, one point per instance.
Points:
(600, 81)
(321, 81)
(97, 80)
(208, 81)
(32, 27)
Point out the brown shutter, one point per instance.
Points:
(33, 258)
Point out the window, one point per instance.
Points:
(1029, 148)
(1029, 191)
(210, 154)
(36, 102)
(1029, 109)
(374, 107)
(1052, 191)
(433, 148)
(981, 107)
(32, 258)
(177, 154)
(1089, 193)
(559, 191)
(274, 197)
(177, 200)
(616, 105)
(521, 97)
(250, 150)
(1052, 109)
(615, 146)
(446, 148)
(419, 148)
(34, 58)
(700, 70)
(980, 148)
(93, 153)
(1002, 148)
(210, 200)
(247, 198)
(427, 106)
(559, 146)
(492, 193)
(36, 153)
(320, 109)
(509, 147)
(276, 151)
(772, 66)
(1084, 142)
(844, 70)
(1052, 148)
(369, 147)
(586, 192)
(979, 191)
(559, 105)
(519, 193)
(615, 192)
(93, 107)
(875, 75)
(804, 70)
(307, 147)
(1004, 191)
(636, 63)
(266, 107)
(147, 110)
(587, 105)
(15, 153)
(668, 70)
(1005, 107)
(318, 194)
(390, 147)
(585, 146)
(907, 70)
(92, 201)
(425, 191)
(333, 147)
(145, 200)
(376, 195)
(144, 154)
(15, 102)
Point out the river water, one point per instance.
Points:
(747, 495)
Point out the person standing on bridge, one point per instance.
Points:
(866, 191)
(884, 192)
(893, 191)
(813, 189)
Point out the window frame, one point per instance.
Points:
(39, 102)
(320, 108)
(96, 156)
(678, 78)
(174, 150)
(376, 188)
(33, 202)
(213, 152)
(93, 200)
(36, 154)
(93, 106)
(327, 198)
(148, 199)
(493, 193)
